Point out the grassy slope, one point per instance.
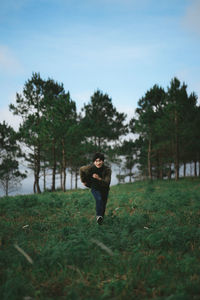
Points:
(147, 248)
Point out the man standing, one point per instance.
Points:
(97, 177)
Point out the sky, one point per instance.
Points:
(122, 47)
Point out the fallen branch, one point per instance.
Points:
(24, 253)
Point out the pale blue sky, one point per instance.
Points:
(122, 47)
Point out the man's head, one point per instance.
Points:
(98, 159)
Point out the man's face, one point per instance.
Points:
(98, 163)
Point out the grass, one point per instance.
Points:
(147, 248)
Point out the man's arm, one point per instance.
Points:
(105, 182)
(107, 179)
(84, 174)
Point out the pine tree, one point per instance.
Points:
(29, 105)
(102, 122)
(10, 153)
(148, 112)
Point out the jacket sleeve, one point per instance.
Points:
(105, 182)
(84, 173)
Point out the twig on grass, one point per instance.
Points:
(24, 253)
(103, 246)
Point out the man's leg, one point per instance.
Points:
(104, 200)
(99, 202)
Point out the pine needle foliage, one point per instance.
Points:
(147, 248)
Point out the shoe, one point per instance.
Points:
(99, 220)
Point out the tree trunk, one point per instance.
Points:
(6, 186)
(61, 178)
(53, 188)
(76, 179)
(176, 160)
(35, 173)
(169, 175)
(176, 148)
(195, 168)
(161, 172)
(71, 179)
(161, 166)
(191, 167)
(149, 160)
(44, 179)
(36, 187)
(64, 166)
(184, 169)
(37, 182)
(95, 142)
(64, 178)
(99, 143)
(157, 166)
(199, 168)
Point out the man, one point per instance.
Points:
(97, 177)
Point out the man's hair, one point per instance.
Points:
(98, 155)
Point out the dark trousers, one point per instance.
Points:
(101, 200)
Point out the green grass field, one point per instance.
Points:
(147, 248)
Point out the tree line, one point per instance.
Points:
(53, 137)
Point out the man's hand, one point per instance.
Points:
(85, 183)
(96, 176)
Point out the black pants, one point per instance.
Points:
(101, 198)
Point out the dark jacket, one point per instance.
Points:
(104, 172)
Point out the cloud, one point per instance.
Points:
(191, 19)
(8, 62)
